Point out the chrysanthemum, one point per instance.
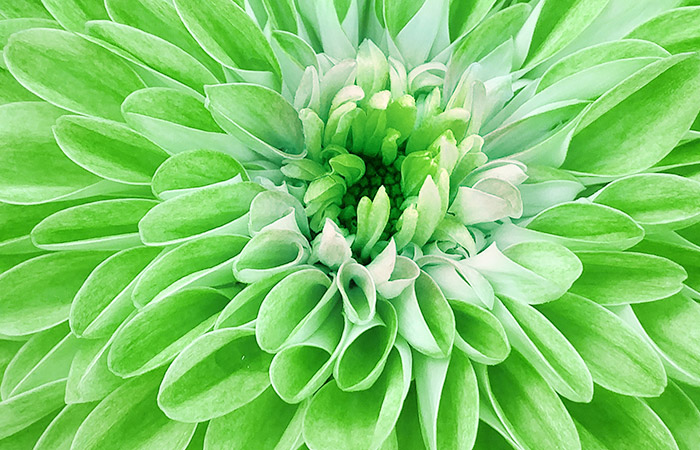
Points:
(349, 224)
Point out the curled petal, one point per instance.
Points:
(270, 252)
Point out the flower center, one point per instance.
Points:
(377, 174)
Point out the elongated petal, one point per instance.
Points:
(614, 278)
(618, 358)
(71, 72)
(108, 149)
(216, 374)
(110, 424)
(621, 422)
(47, 285)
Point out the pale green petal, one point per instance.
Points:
(61, 431)
(205, 261)
(216, 374)
(112, 424)
(47, 285)
(615, 278)
(649, 119)
(71, 72)
(161, 330)
(45, 358)
(621, 422)
(618, 358)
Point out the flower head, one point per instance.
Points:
(349, 224)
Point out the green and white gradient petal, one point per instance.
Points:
(349, 224)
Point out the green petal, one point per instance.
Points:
(558, 24)
(582, 226)
(167, 62)
(243, 308)
(89, 378)
(617, 278)
(160, 330)
(486, 37)
(621, 422)
(130, 417)
(549, 352)
(577, 226)
(529, 272)
(225, 32)
(282, 14)
(71, 72)
(466, 14)
(294, 309)
(218, 373)
(359, 294)
(479, 333)
(672, 324)
(677, 250)
(619, 358)
(8, 350)
(205, 261)
(460, 282)
(193, 169)
(217, 209)
(430, 209)
(655, 201)
(23, 410)
(597, 55)
(277, 210)
(338, 420)
(679, 414)
(10, 26)
(547, 187)
(178, 121)
(104, 300)
(299, 370)
(641, 106)
(540, 138)
(676, 30)
(448, 401)
(372, 218)
(266, 423)
(46, 285)
(489, 439)
(398, 14)
(17, 222)
(28, 437)
(408, 428)
(108, 149)
(372, 68)
(73, 14)
(160, 19)
(538, 419)
(62, 429)
(426, 320)
(102, 225)
(365, 349)
(11, 91)
(687, 154)
(270, 252)
(30, 8)
(30, 155)
(45, 358)
(244, 111)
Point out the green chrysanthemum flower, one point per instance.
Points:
(350, 224)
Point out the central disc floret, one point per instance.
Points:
(390, 156)
(377, 174)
